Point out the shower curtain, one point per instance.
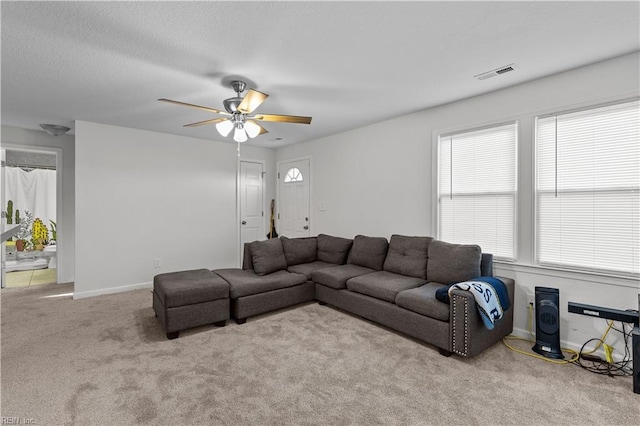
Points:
(34, 191)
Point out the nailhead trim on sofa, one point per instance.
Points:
(454, 302)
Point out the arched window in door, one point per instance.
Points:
(293, 175)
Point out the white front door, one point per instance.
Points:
(293, 206)
(251, 203)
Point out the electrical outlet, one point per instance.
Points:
(157, 262)
(531, 299)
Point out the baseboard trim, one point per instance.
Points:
(111, 290)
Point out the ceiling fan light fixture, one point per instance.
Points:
(240, 135)
(54, 129)
(251, 128)
(224, 127)
(240, 112)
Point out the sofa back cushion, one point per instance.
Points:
(267, 256)
(486, 265)
(369, 252)
(408, 256)
(333, 249)
(299, 250)
(453, 263)
(247, 261)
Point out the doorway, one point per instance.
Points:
(294, 182)
(29, 199)
(251, 203)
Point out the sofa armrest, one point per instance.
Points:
(469, 336)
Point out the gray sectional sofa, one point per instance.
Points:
(392, 283)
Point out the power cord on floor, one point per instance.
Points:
(598, 365)
(574, 355)
(608, 367)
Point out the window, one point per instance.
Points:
(588, 189)
(293, 175)
(477, 189)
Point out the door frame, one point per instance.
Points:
(60, 254)
(239, 195)
(289, 160)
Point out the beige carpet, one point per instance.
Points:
(105, 361)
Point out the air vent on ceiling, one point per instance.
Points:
(495, 72)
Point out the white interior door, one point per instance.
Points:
(293, 206)
(251, 203)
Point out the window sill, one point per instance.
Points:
(600, 278)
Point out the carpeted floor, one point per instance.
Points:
(104, 360)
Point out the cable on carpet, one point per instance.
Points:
(574, 355)
(598, 365)
(608, 367)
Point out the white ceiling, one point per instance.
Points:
(346, 64)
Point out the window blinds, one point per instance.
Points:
(477, 189)
(588, 189)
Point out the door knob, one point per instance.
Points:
(305, 227)
(244, 222)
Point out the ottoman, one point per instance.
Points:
(187, 299)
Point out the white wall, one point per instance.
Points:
(378, 180)
(13, 137)
(143, 195)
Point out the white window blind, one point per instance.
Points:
(588, 189)
(477, 189)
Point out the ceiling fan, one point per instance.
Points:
(238, 112)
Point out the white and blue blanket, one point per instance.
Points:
(491, 296)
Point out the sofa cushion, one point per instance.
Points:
(308, 268)
(369, 252)
(247, 262)
(245, 283)
(299, 250)
(337, 276)
(189, 287)
(408, 256)
(450, 263)
(333, 249)
(267, 256)
(423, 300)
(383, 285)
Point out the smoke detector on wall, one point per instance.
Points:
(498, 71)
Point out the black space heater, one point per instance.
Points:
(548, 323)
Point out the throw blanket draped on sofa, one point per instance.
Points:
(490, 294)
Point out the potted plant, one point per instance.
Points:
(24, 234)
(39, 234)
(54, 231)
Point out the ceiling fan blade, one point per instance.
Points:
(217, 111)
(200, 123)
(283, 118)
(251, 101)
